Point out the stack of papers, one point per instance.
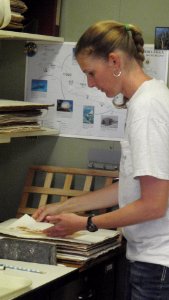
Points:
(18, 116)
(84, 246)
(77, 249)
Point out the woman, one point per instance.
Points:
(111, 55)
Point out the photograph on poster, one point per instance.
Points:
(161, 38)
(39, 85)
(88, 114)
(64, 105)
(109, 121)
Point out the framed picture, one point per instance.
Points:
(161, 38)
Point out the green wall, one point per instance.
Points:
(77, 15)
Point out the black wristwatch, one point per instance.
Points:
(90, 226)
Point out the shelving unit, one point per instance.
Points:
(8, 35)
(46, 19)
(14, 108)
(6, 138)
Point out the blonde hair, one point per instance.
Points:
(105, 37)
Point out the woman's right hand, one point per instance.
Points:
(48, 210)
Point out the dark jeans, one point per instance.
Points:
(146, 281)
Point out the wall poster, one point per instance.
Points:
(54, 76)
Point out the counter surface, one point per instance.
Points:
(45, 274)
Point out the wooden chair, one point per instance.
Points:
(46, 184)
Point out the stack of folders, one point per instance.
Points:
(77, 249)
(22, 116)
(18, 8)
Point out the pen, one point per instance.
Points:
(4, 266)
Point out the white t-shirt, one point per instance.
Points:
(145, 151)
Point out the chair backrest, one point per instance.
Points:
(46, 184)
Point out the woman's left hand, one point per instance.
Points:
(65, 224)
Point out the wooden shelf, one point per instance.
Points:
(6, 137)
(8, 35)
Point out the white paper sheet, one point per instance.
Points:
(27, 227)
(156, 62)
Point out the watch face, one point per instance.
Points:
(93, 227)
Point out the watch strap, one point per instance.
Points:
(90, 226)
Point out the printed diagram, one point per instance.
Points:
(74, 85)
(54, 76)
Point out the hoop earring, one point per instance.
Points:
(117, 75)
